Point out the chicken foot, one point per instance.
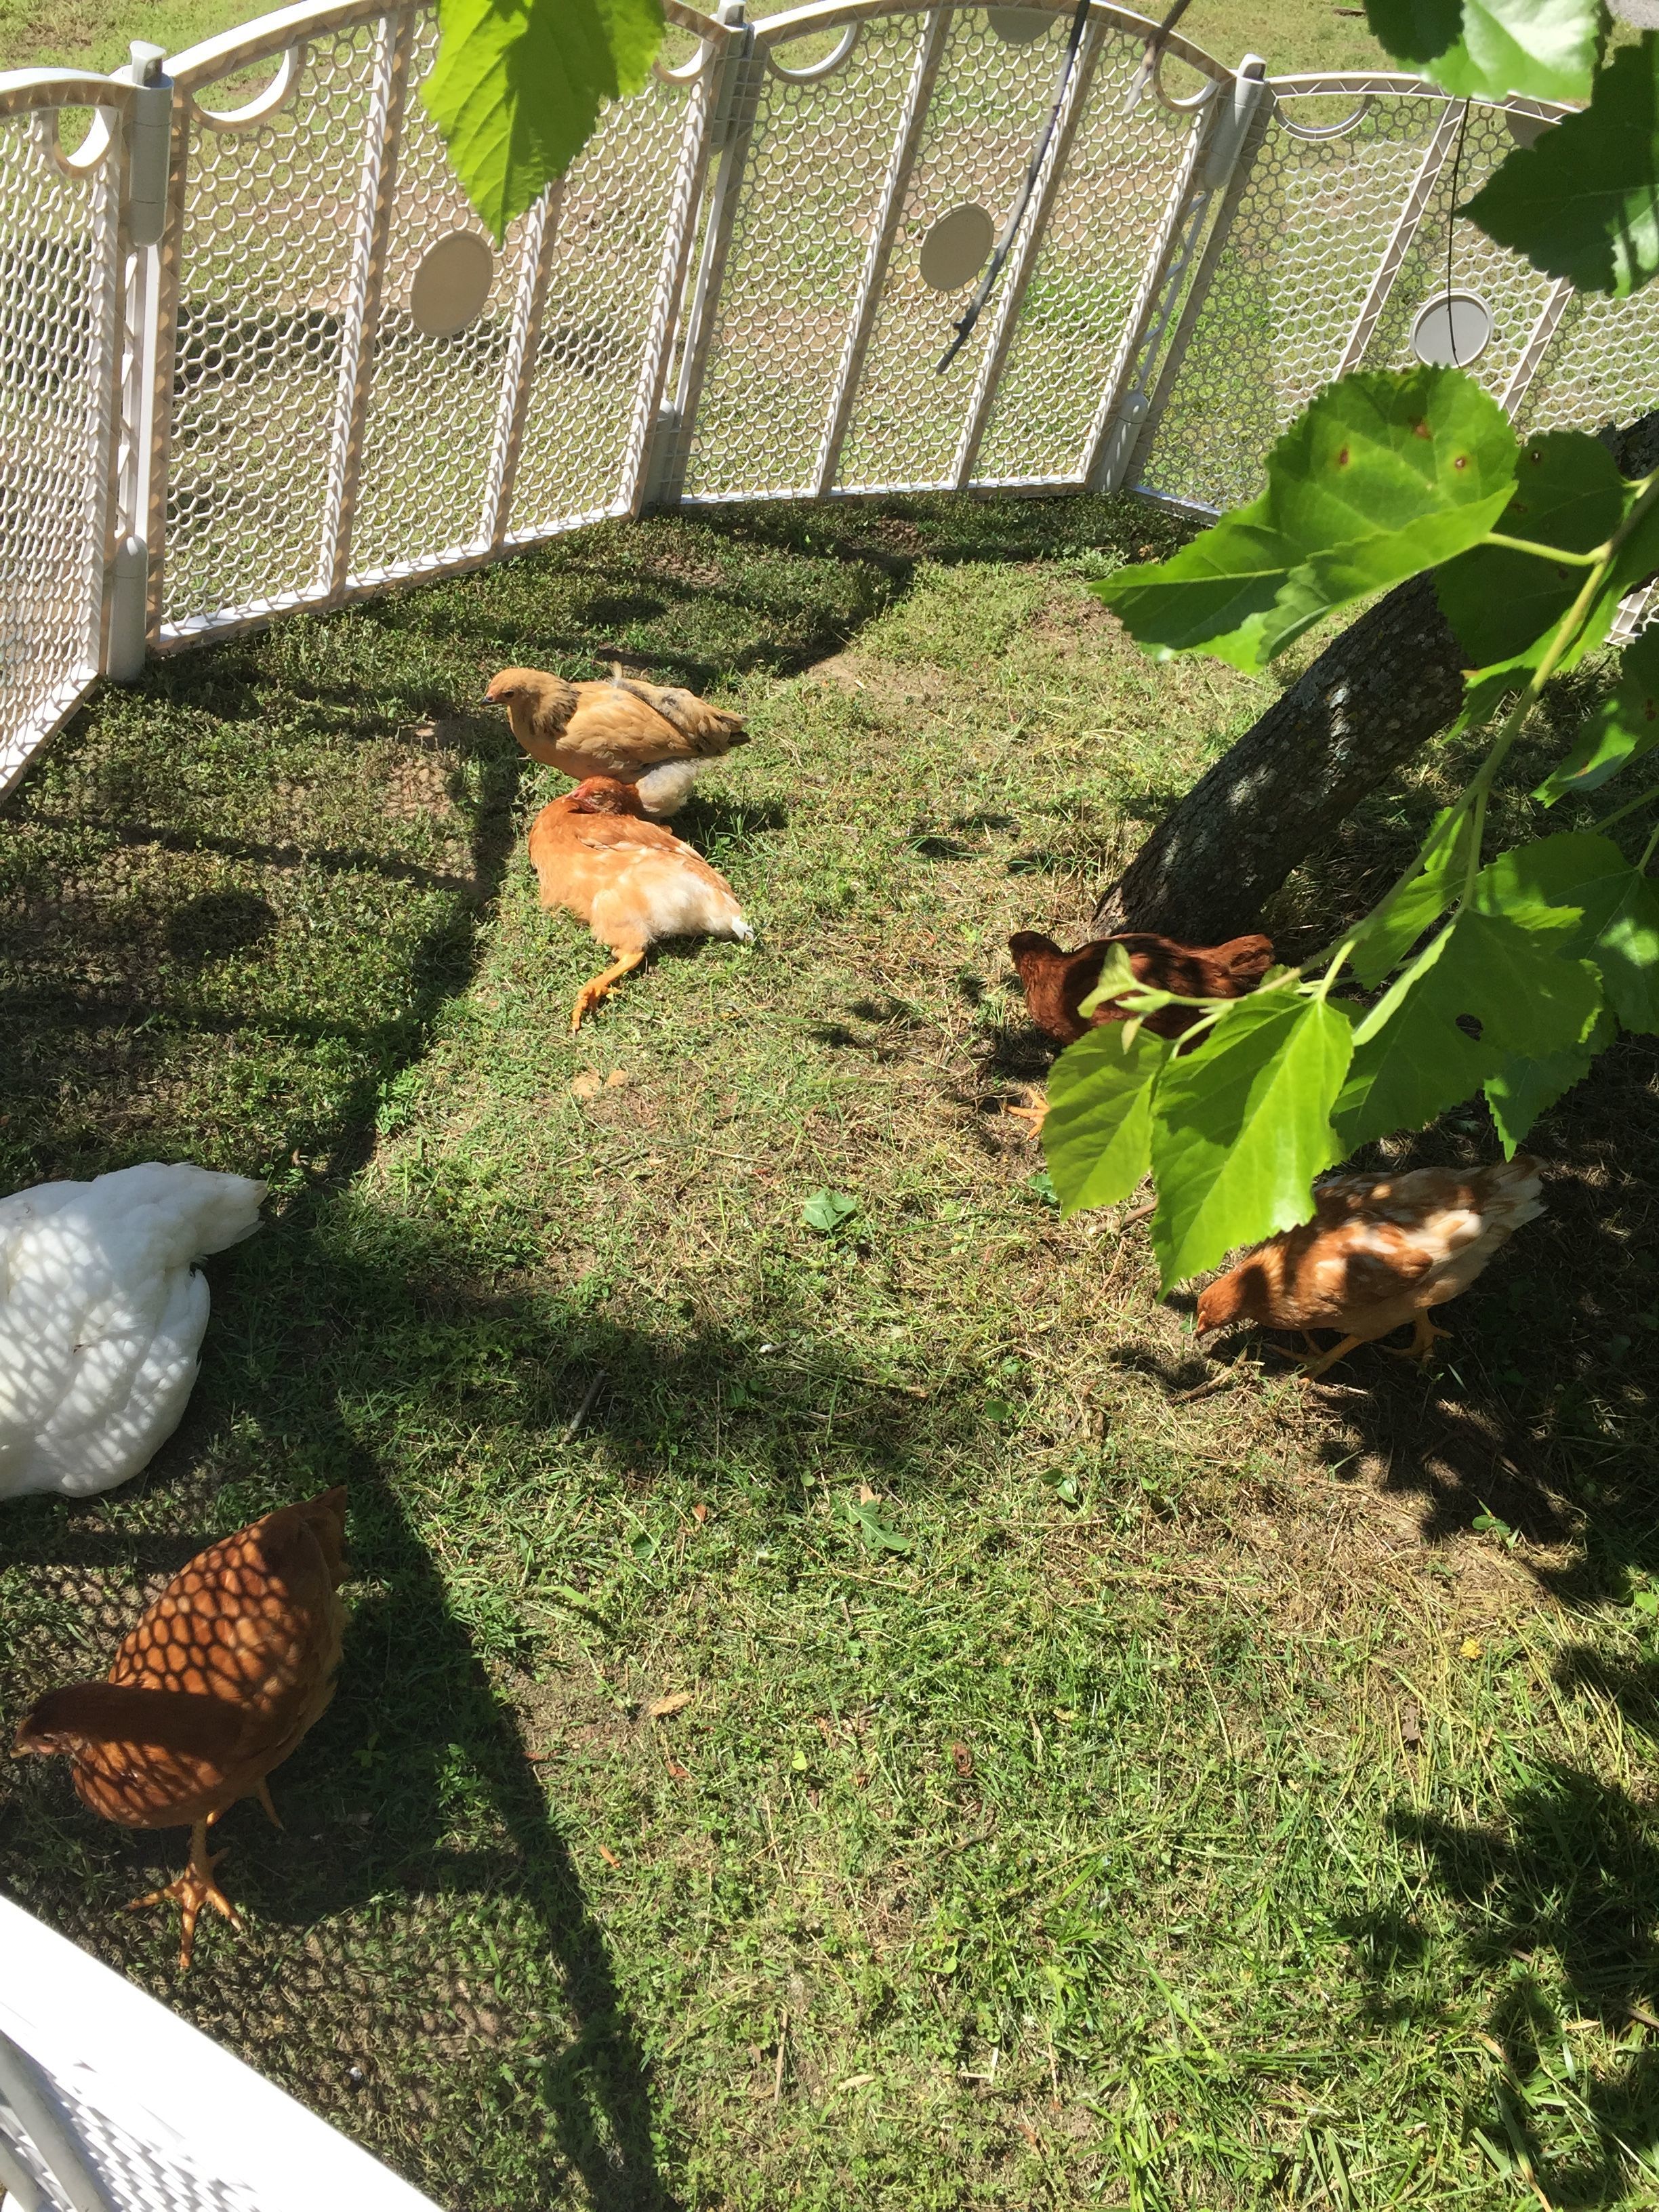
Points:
(591, 993)
(194, 1888)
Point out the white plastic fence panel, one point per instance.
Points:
(59, 363)
(164, 2119)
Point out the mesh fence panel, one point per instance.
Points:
(56, 311)
(990, 98)
(1311, 227)
(819, 156)
(1103, 231)
(624, 195)
(434, 399)
(265, 256)
(1441, 247)
(1603, 365)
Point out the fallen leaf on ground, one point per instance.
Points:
(868, 1497)
(659, 1709)
(1411, 1726)
(610, 1857)
(617, 1075)
(679, 1772)
(586, 1085)
(699, 1512)
(963, 1759)
(1029, 2134)
(1470, 1648)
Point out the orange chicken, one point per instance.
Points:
(1057, 983)
(660, 739)
(631, 881)
(215, 1686)
(1380, 1251)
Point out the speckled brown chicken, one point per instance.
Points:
(1380, 1251)
(216, 1686)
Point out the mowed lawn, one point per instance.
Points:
(1085, 1791)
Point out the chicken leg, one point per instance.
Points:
(591, 993)
(1424, 1335)
(1035, 1111)
(194, 1888)
(1312, 1369)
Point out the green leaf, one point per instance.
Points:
(1481, 49)
(1097, 1135)
(878, 1537)
(1241, 1125)
(1520, 1089)
(1621, 731)
(518, 86)
(1583, 203)
(1609, 910)
(1390, 933)
(1502, 604)
(1382, 476)
(1411, 1060)
(826, 1211)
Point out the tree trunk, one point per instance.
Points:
(1373, 697)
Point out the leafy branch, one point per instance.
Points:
(1506, 974)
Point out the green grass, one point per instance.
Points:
(1293, 34)
(1089, 1793)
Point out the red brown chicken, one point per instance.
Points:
(1057, 983)
(215, 1686)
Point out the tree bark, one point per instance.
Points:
(1373, 697)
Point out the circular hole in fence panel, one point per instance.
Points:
(1018, 27)
(452, 284)
(956, 248)
(1452, 331)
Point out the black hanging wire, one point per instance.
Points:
(970, 315)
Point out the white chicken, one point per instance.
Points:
(101, 1317)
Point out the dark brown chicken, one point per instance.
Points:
(1057, 983)
(660, 739)
(213, 1687)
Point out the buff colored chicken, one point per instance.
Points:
(631, 881)
(659, 739)
(213, 1687)
(1379, 1252)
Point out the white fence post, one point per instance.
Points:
(146, 170)
(379, 174)
(664, 474)
(1126, 422)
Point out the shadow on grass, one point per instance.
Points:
(1559, 1904)
(422, 1951)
